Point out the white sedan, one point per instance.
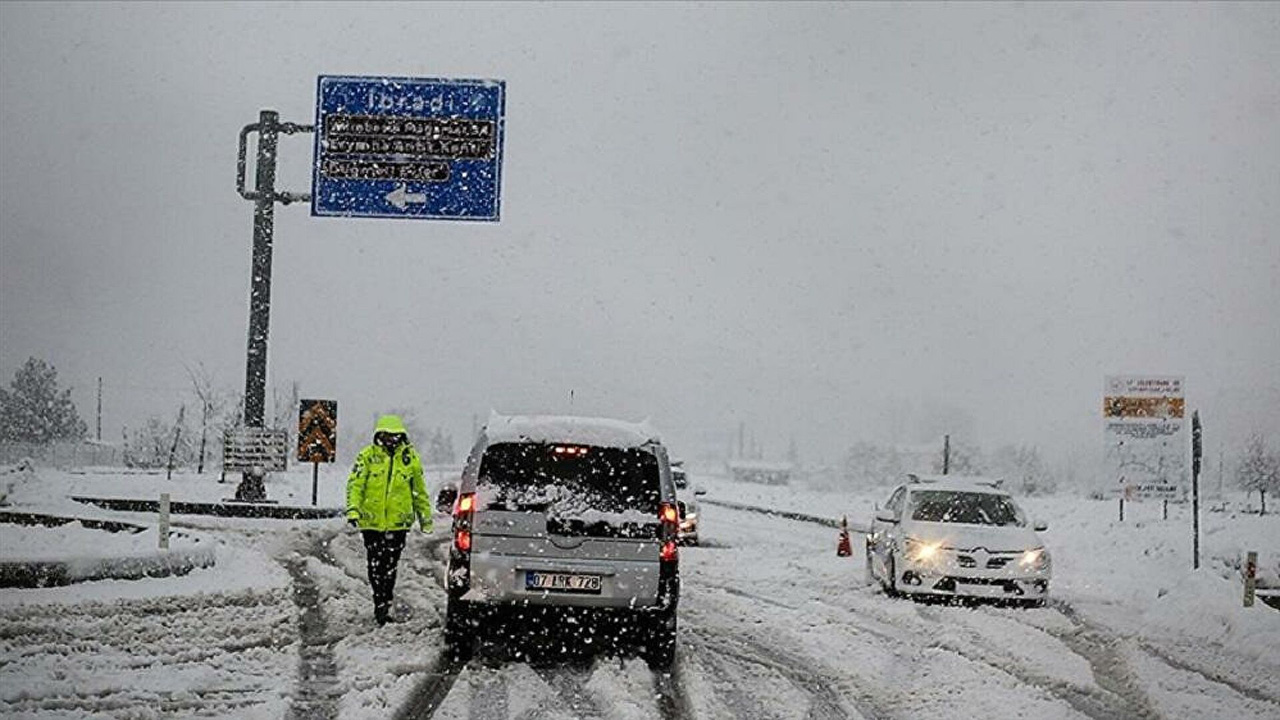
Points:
(957, 536)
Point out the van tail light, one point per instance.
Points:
(668, 556)
(464, 513)
(463, 517)
(669, 552)
(466, 504)
(669, 516)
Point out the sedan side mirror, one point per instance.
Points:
(886, 516)
(1040, 526)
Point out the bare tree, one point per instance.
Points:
(284, 411)
(1259, 469)
(211, 402)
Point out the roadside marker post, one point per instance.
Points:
(164, 521)
(1250, 577)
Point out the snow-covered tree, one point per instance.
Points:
(34, 410)
(1259, 469)
(437, 448)
(1023, 469)
(869, 464)
(966, 458)
(151, 445)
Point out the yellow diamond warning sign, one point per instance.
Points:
(318, 431)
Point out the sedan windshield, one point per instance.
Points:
(969, 508)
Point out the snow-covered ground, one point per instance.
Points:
(773, 624)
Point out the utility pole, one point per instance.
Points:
(946, 454)
(1196, 445)
(264, 197)
(99, 408)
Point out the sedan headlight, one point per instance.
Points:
(921, 551)
(1034, 559)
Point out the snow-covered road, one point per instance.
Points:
(773, 626)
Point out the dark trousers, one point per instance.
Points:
(383, 552)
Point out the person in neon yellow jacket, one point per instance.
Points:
(385, 493)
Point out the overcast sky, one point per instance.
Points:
(795, 217)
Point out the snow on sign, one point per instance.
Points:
(408, 148)
(1146, 443)
(317, 431)
(245, 449)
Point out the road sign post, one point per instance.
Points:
(387, 147)
(421, 148)
(1144, 435)
(264, 196)
(317, 437)
(1196, 445)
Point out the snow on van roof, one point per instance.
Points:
(599, 432)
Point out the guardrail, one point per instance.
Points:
(786, 514)
(226, 509)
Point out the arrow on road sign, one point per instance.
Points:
(402, 198)
(317, 431)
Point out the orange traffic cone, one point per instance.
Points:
(844, 548)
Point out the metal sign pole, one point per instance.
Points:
(1196, 445)
(255, 378)
(264, 196)
(315, 480)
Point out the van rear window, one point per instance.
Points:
(570, 480)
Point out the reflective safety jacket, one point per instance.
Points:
(385, 491)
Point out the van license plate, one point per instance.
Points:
(562, 582)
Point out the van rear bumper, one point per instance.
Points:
(498, 579)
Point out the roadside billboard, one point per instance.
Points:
(1145, 435)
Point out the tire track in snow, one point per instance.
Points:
(439, 677)
(1099, 703)
(233, 637)
(1102, 703)
(316, 691)
(570, 682)
(427, 696)
(1253, 693)
(1088, 629)
(490, 697)
(673, 699)
(804, 673)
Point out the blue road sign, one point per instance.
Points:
(408, 148)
